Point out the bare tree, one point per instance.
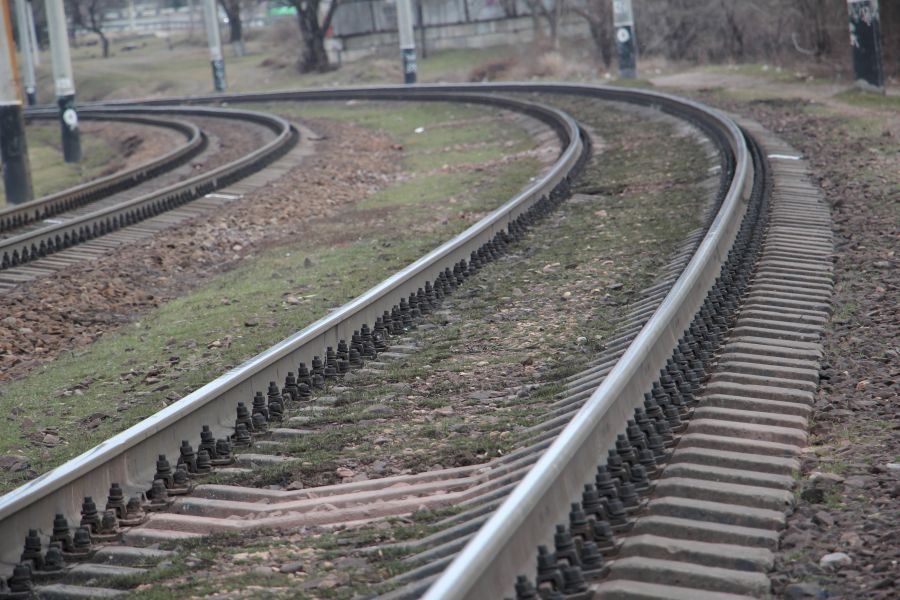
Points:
(552, 15)
(232, 10)
(313, 57)
(509, 7)
(890, 29)
(91, 15)
(734, 29)
(598, 14)
(816, 23)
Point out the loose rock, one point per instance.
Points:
(835, 560)
(291, 567)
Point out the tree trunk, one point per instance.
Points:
(553, 18)
(603, 41)
(598, 15)
(313, 57)
(232, 9)
(235, 28)
(104, 43)
(236, 34)
(890, 30)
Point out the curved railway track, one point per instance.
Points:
(96, 209)
(14, 217)
(699, 403)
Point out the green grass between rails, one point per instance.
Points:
(49, 173)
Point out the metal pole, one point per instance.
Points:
(191, 19)
(407, 40)
(132, 26)
(865, 39)
(32, 36)
(211, 17)
(420, 19)
(623, 21)
(13, 149)
(25, 49)
(63, 80)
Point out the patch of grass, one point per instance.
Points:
(857, 97)
(796, 555)
(49, 172)
(398, 119)
(834, 500)
(423, 191)
(452, 63)
(844, 311)
(771, 72)
(635, 82)
(837, 467)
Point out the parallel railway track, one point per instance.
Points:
(682, 327)
(14, 217)
(107, 207)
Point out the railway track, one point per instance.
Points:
(51, 233)
(13, 218)
(699, 402)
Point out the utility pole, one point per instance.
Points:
(865, 40)
(13, 149)
(25, 45)
(407, 40)
(190, 19)
(63, 80)
(211, 16)
(420, 19)
(33, 39)
(623, 21)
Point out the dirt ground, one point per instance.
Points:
(47, 316)
(136, 144)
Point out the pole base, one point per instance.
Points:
(71, 137)
(627, 51)
(218, 73)
(409, 65)
(14, 155)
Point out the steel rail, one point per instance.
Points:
(19, 249)
(505, 545)
(38, 209)
(128, 457)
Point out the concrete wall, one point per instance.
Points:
(479, 34)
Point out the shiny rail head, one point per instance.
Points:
(504, 546)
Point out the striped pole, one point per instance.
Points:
(63, 80)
